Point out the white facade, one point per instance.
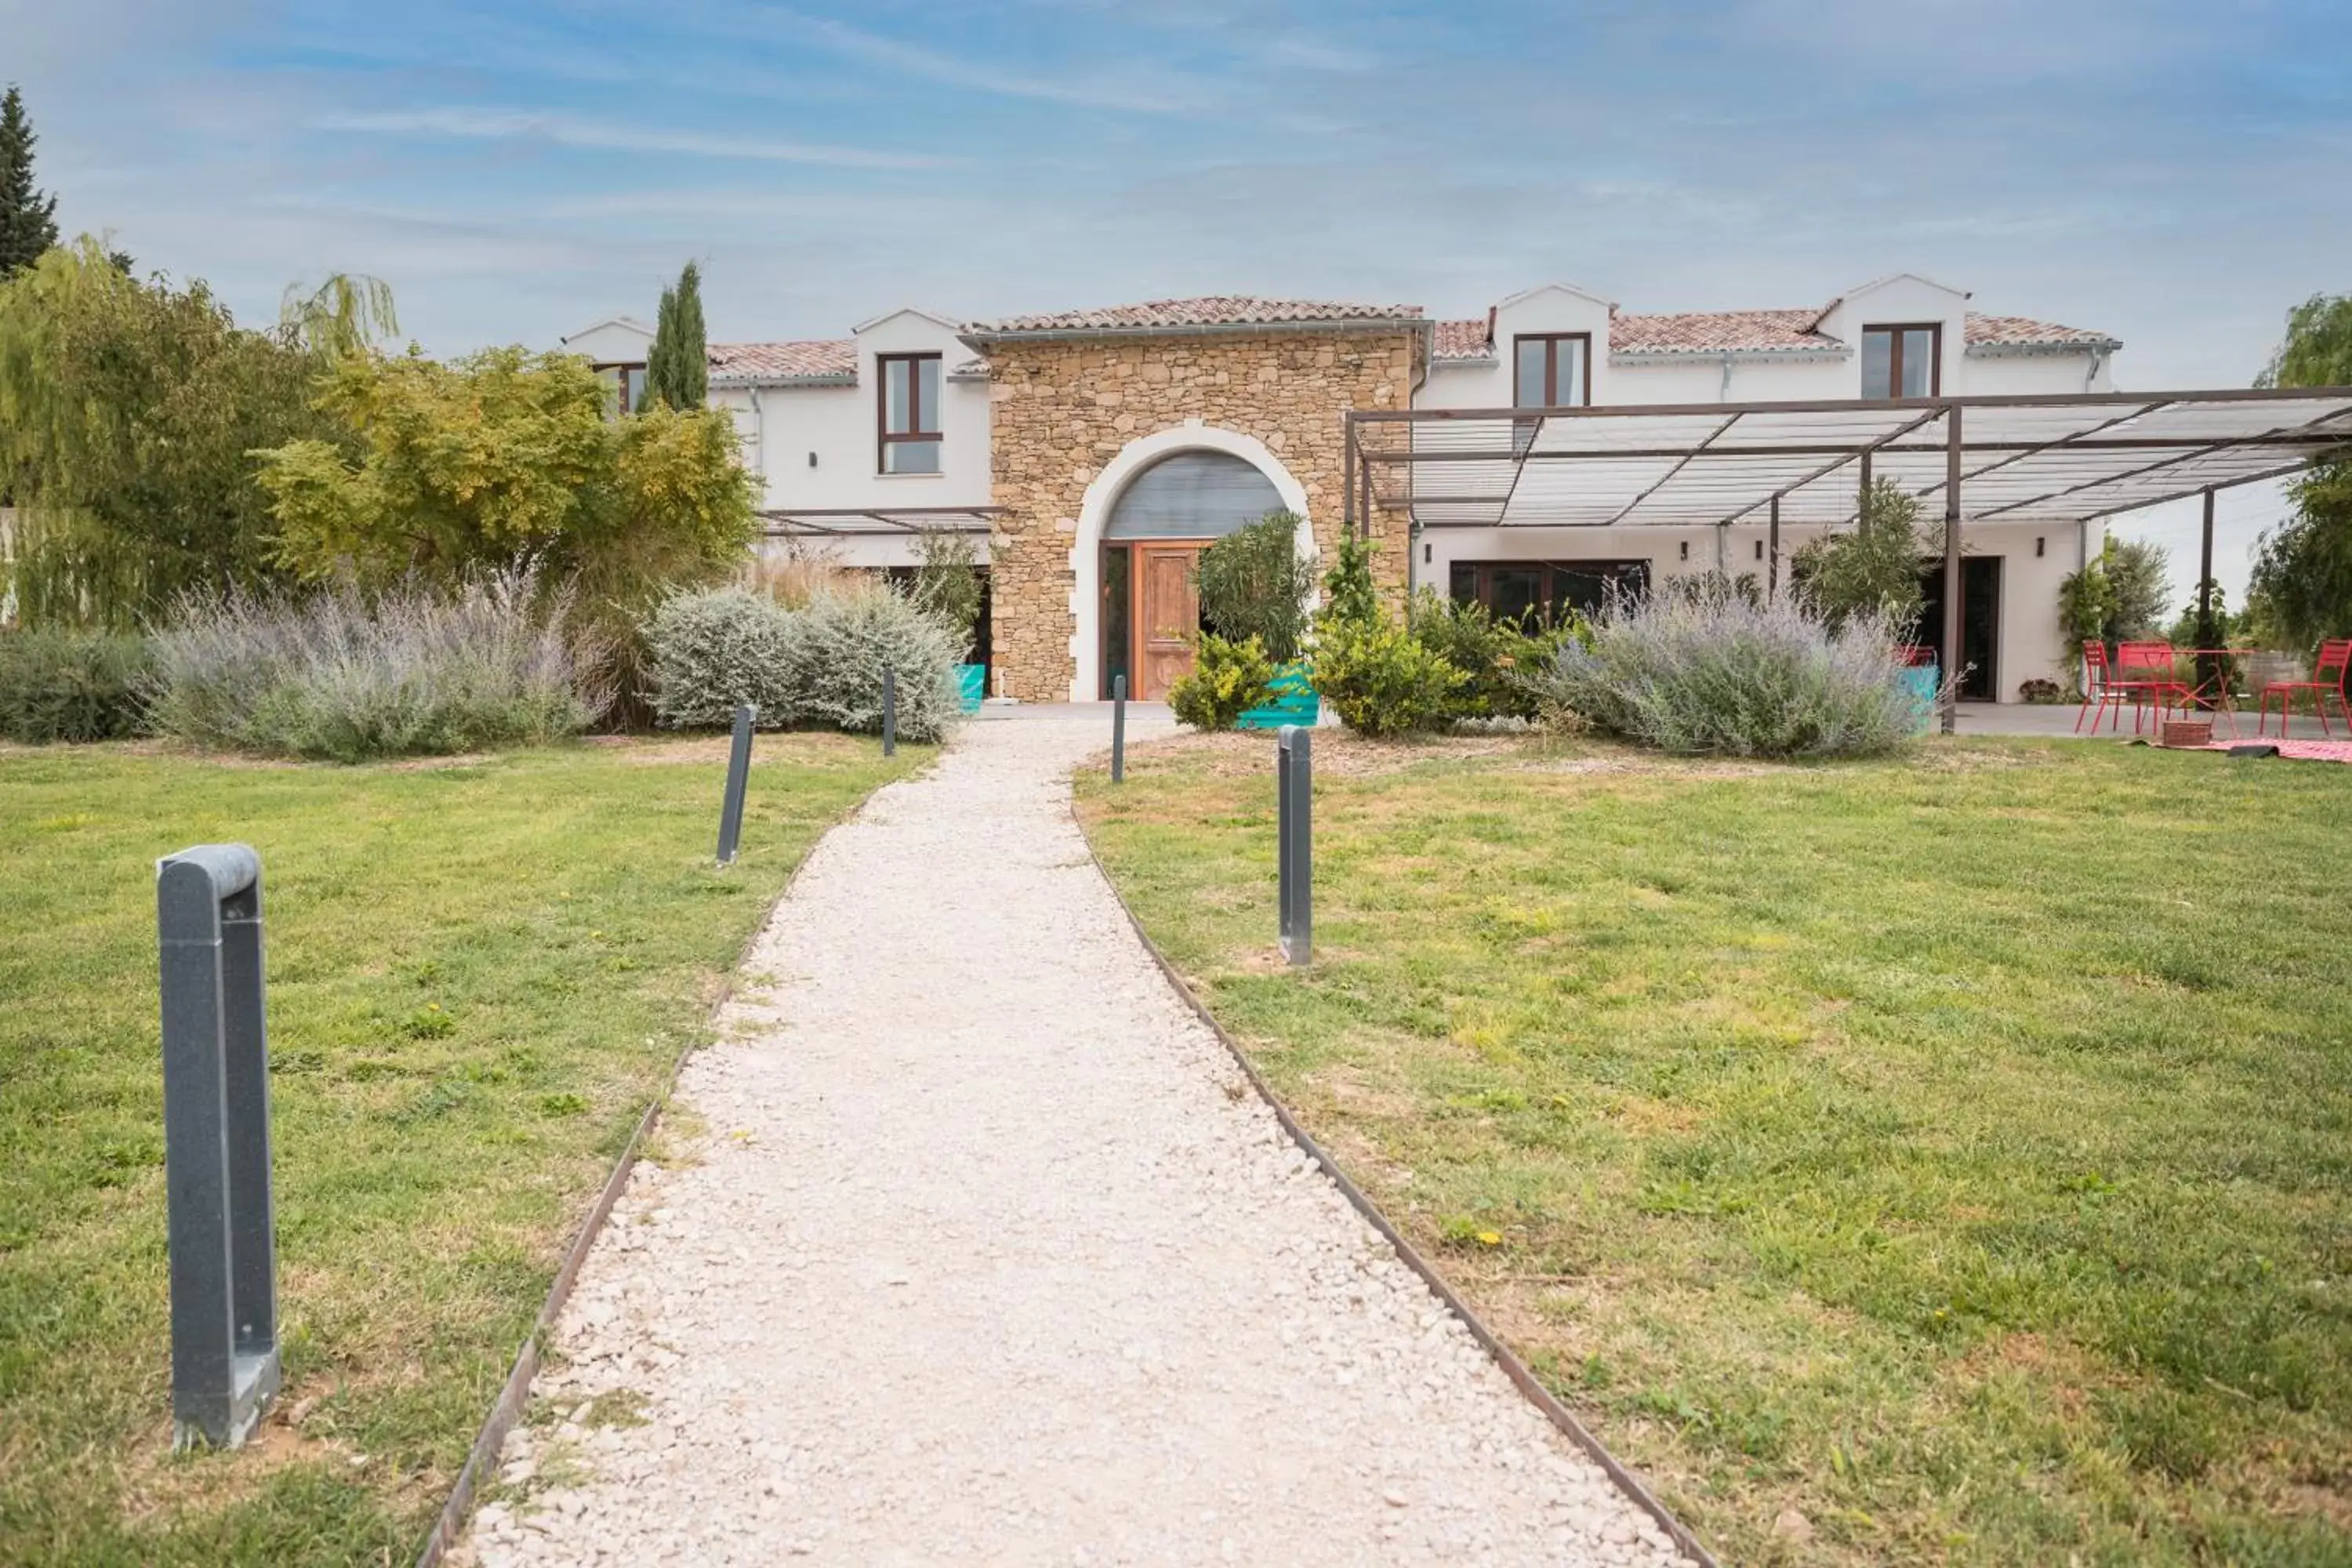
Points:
(809, 414)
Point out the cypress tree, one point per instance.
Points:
(677, 365)
(28, 222)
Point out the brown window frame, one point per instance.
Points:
(1551, 341)
(624, 366)
(885, 438)
(1895, 331)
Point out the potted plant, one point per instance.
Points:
(948, 584)
(1254, 583)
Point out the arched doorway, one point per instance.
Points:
(1147, 516)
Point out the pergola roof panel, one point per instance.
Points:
(2055, 458)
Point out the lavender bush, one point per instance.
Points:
(347, 675)
(1716, 672)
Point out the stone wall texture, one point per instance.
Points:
(1062, 409)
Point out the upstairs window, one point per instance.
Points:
(1551, 371)
(625, 387)
(910, 413)
(1904, 360)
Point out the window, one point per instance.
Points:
(1904, 360)
(626, 386)
(910, 413)
(1542, 590)
(1550, 371)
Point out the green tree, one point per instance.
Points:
(2301, 591)
(948, 582)
(347, 314)
(2141, 575)
(1254, 583)
(505, 456)
(677, 365)
(1873, 569)
(28, 220)
(128, 412)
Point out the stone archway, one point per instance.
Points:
(1102, 496)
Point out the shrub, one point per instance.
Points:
(708, 651)
(1871, 570)
(60, 685)
(1380, 679)
(1349, 595)
(1495, 655)
(835, 649)
(948, 584)
(1228, 678)
(347, 675)
(1713, 672)
(1254, 583)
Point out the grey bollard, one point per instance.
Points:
(1117, 729)
(889, 711)
(223, 1262)
(739, 779)
(1294, 773)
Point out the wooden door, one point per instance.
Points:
(1167, 611)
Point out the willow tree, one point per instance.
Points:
(128, 413)
(2302, 587)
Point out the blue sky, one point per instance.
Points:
(2170, 170)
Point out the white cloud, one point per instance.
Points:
(1156, 92)
(568, 130)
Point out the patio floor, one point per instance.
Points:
(2058, 719)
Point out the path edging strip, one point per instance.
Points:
(1515, 1369)
(516, 1392)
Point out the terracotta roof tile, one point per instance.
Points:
(2023, 330)
(1712, 331)
(827, 359)
(1462, 339)
(1210, 310)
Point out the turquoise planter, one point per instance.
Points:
(1292, 700)
(971, 685)
(1922, 681)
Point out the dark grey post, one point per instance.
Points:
(738, 778)
(889, 711)
(1294, 773)
(1117, 729)
(1953, 588)
(1772, 577)
(223, 1264)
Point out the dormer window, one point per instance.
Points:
(910, 413)
(625, 387)
(1551, 369)
(1903, 361)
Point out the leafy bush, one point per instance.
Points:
(1495, 655)
(1349, 595)
(347, 675)
(837, 646)
(57, 685)
(1871, 570)
(821, 663)
(708, 651)
(947, 582)
(1254, 583)
(2041, 692)
(1228, 678)
(1380, 679)
(1713, 672)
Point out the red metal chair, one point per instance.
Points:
(2150, 670)
(2103, 688)
(2327, 678)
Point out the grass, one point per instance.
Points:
(1934, 1161)
(479, 974)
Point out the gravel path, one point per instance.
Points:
(983, 1252)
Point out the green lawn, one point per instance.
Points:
(1946, 1160)
(478, 975)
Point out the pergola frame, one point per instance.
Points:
(2055, 458)
(866, 523)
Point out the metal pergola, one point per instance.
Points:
(2055, 458)
(866, 522)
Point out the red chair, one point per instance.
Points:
(2327, 678)
(2104, 689)
(2150, 668)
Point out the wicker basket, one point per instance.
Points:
(2189, 732)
